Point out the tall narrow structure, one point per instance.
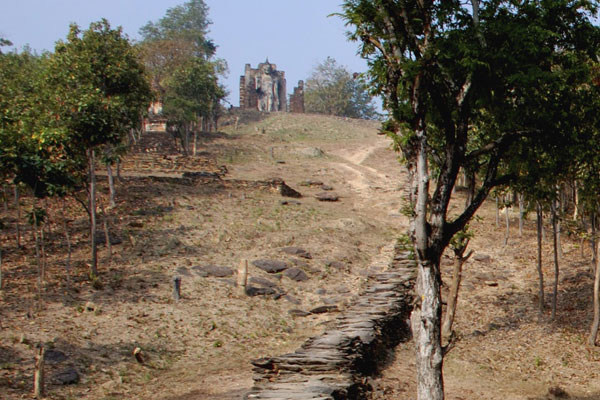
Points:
(263, 88)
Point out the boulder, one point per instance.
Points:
(327, 196)
(260, 281)
(296, 274)
(324, 309)
(260, 291)
(271, 266)
(297, 251)
(68, 376)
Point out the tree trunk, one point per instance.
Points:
(556, 269)
(106, 231)
(38, 375)
(497, 211)
(1, 269)
(521, 214)
(111, 185)
(119, 170)
(539, 257)
(576, 201)
(596, 322)
(68, 239)
(5, 199)
(18, 223)
(92, 204)
(425, 324)
(452, 301)
(593, 241)
(507, 219)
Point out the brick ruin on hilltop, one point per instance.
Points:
(264, 89)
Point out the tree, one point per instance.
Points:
(332, 90)
(98, 92)
(179, 57)
(453, 77)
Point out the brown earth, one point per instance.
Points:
(201, 346)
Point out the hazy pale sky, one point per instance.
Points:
(294, 34)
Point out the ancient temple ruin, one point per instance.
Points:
(264, 89)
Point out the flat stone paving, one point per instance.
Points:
(337, 364)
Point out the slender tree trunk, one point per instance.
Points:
(507, 219)
(556, 267)
(38, 256)
(521, 214)
(92, 204)
(38, 375)
(575, 200)
(111, 185)
(596, 321)
(497, 211)
(119, 170)
(539, 257)
(1, 286)
(593, 242)
(5, 199)
(18, 223)
(106, 231)
(68, 239)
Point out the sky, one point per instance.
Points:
(293, 34)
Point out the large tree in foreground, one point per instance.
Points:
(466, 84)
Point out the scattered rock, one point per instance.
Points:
(325, 196)
(324, 309)
(136, 224)
(89, 306)
(260, 281)
(292, 299)
(300, 263)
(213, 271)
(311, 183)
(326, 187)
(296, 274)
(321, 291)
(330, 301)
(558, 392)
(482, 257)
(271, 266)
(55, 356)
(298, 313)
(335, 265)
(342, 289)
(68, 376)
(260, 291)
(284, 189)
(313, 152)
(297, 251)
(492, 284)
(290, 203)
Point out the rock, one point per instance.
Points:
(287, 191)
(300, 263)
(260, 291)
(290, 203)
(260, 281)
(321, 291)
(55, 356)
(482, 257)
(558, 392)
(324, 309)
(335, 265)
(271, 266)
(326, 187)
(297, 251)
(213, 271)
(342, 289)
(89, 306)
(331, 301)
(101, 238)
(298, 313)
(296, 274)
(183, 271)
(313, 152)
(68, 376)
(325, 196)
(292, 299)
(311, 183)
(136, 224)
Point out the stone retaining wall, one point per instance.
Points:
(337, 364)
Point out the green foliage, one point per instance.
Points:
(37, 216)
(331, 89)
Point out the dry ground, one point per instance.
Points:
(201, 346)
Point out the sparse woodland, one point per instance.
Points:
(486, 101)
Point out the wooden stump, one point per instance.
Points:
(177, 288)
(242, 276)
(38, 375)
